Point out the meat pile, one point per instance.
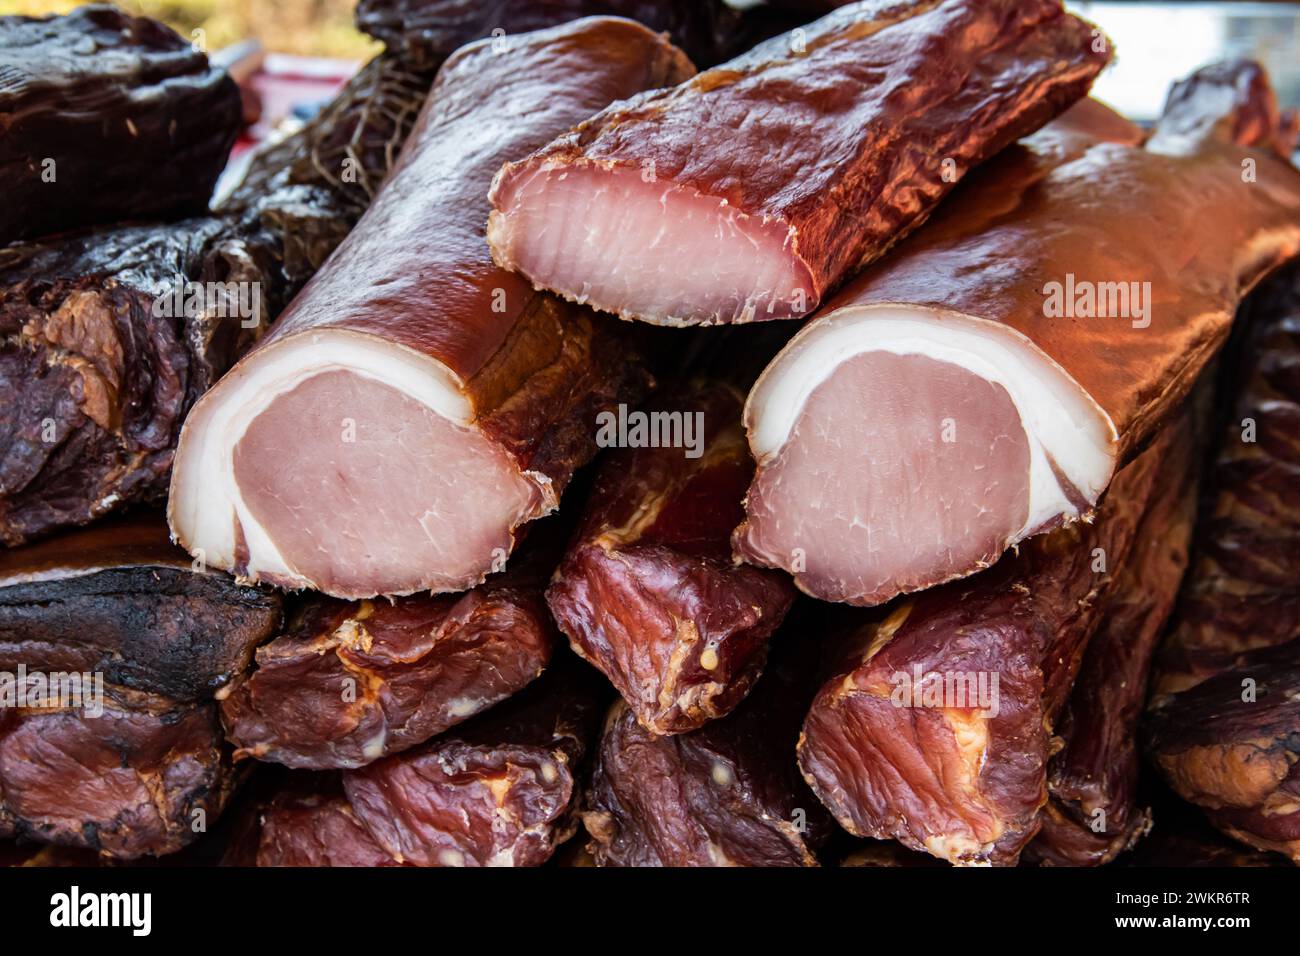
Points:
(348, 508)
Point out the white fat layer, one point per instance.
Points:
(1061, 421)
(205, 499)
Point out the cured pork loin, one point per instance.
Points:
(935, 728)
(415, 404)
(648, 591)
(107, 117)
(983, 383)
(728, 794)
(499, 791)
(350, 682)
(1226, 691)
(423, 33)
(111, 648)
(751, 190)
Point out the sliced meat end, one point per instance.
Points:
(351, 466)
(621, 240)
(901, 447)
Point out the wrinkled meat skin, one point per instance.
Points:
(847, 183)
(119, 599)
(422, 33)
(95, 371)
(1238, 758)
(986, 253)
(1098, 763)
(648, 592)
(127, 783)
(105, 95)
(536, 373)
(960, 782)
(728, 794)
(349, 683)
(499, 790)
(1236, 622)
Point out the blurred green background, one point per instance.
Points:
(309, 27)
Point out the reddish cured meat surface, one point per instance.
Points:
(498, 791)
(990, 418)
(145, 777)
(427, 402)
(349, 683)
(749, 192)
(648, 592)
(1092, 813)
(728, 794)
(910, 739)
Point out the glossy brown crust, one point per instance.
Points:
(349, 683)
(498, 791)
(648, 592)
(119, 599)
(728, 794)
(1114, 212)
(842, 140)
(137, 123)
(423, 33)
(965, 779)
(144, 778)
(1092, 814)
(534, 367)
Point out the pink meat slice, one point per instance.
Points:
(344, 472)
(894, 460)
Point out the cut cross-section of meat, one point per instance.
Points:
(982, 384)
(749, 192)
(416, 404)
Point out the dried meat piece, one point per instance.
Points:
(498, 791)
(752, 190)
(935, 729)
(423, 33)
(728, 794)
(416, 405)
(1225, 703)
(107, 117)
(1028, 341)
(144, 777)
(118, 598)
(348, 683)
(648, 592)
(1093, 812)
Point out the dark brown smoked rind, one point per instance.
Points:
(100, 384)
(1225, 702)
(423, 33)
(120, 599)
(728, 794)
(351, 682)
(648, 591)
(499, 790)
(965, 779)
(136, 123)
(840, 142)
